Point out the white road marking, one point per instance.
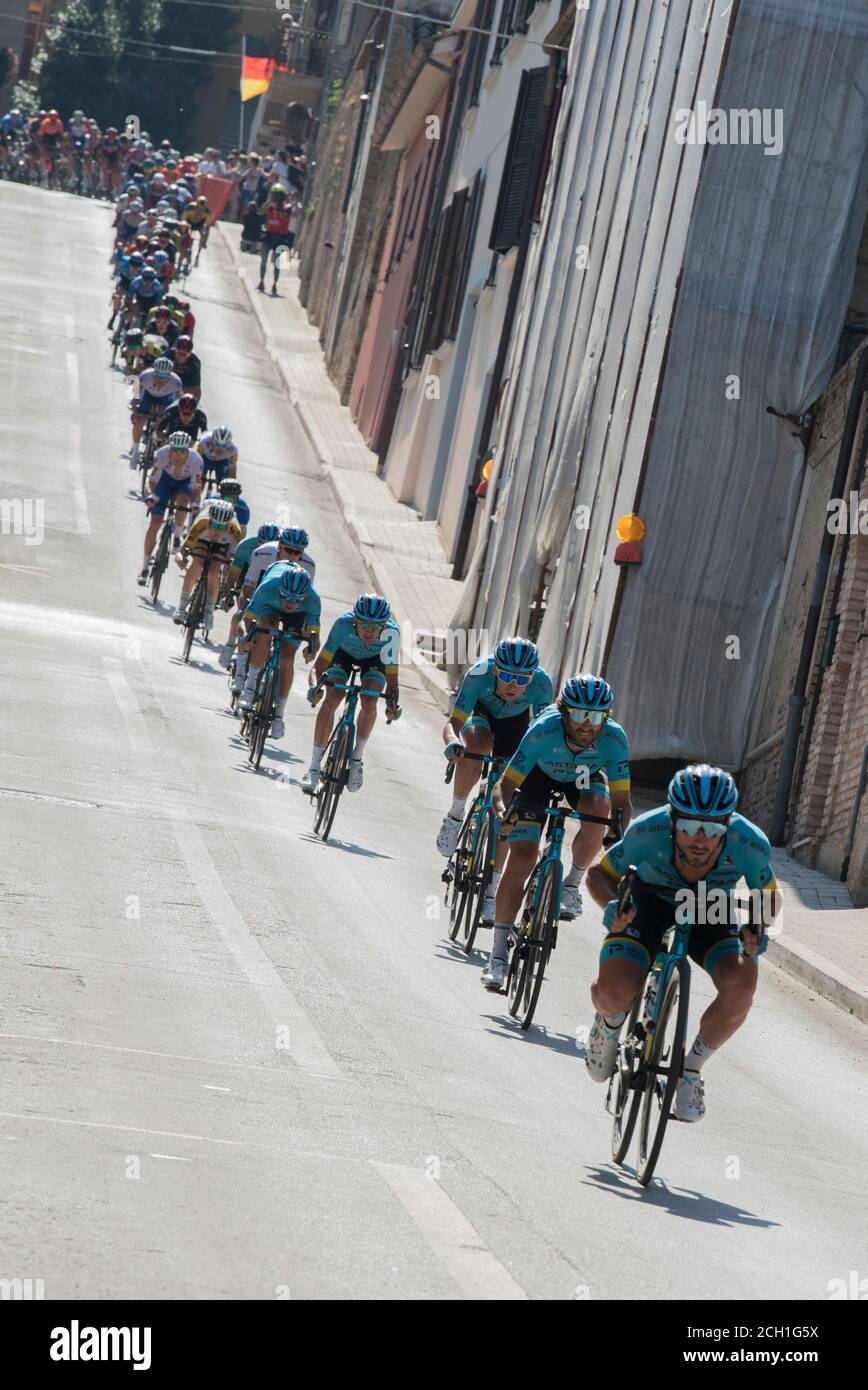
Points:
(26, 569)
(217, 1088)
(79, 496)
(126, 1129)
(173, 1158)
(303, 1043)
(450, 1235)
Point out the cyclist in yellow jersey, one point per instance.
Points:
(215, 533)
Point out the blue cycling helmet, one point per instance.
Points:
(295, 536)
(587, 692)
(268, 531)
(517, 654)
(136, 259)
(700, 790)
(294, 583)
(372, 608)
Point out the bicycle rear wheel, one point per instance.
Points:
(665, 1066)
(148, 451)
(543, 936)
(161, 559)
(194, 617)
(480, 876)
(261, 721)
(623, 1099)
(332, 781)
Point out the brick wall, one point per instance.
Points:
(824, 798)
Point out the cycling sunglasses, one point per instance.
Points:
(295, 551)
(713, 829)
(595, 717)
(512, 677)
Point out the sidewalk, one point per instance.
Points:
(401, 553)
(824, 942)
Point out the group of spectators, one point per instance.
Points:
(253, 177)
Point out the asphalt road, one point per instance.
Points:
(239, 1063)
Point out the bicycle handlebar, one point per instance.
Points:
(474, 758)
(567, 814)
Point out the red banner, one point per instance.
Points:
(217, 191)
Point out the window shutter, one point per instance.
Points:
(425, 301)
(443, 271)
(483, 20)
(463, 254)
(518, 172)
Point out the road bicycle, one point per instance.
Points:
(339, 752)
(532, 941)
(470, 866)
(148, 446)
(199, 597)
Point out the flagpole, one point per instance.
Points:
(241, 94)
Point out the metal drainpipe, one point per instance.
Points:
(797, 699)
(863, 782)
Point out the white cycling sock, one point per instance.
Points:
(241, 663)
(316, 756)
(146, 562)
(280, 706)
(359, 750)
(500, 938)
(614, 1021)
(698, 1054)
(250, 683)
(574, 876)
(495, 880)
(456, 810)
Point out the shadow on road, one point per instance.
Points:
(678, 1201)
(539, 1036)
(332, 843)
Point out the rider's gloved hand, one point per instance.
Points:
(314, 695)
(453, 751)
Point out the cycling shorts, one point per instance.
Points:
(507, 733)
(342, 664)
(535, 790)
(167, 488)
(641, 940)
(149, 403)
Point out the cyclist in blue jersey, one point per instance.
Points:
(287, 599)
(496, 701)
(574, 747)
(698, 838)
(289, 544)
(366, 637)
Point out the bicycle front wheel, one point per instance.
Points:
(543, 935)
(161, 560)
(480, 876)
(457, 900)
(261, 722)
(194, 617)
(332, 781)
(665, 1065)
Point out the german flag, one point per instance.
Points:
(257, 66)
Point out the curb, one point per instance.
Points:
(821, 976)
(433, 679)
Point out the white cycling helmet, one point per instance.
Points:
(164, 366)
(222, 435)
(220, 513)
(180, 440)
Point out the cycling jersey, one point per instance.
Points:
(190, 468)
(217, 453)
(196, 217)
(201, 532)
(266, 602)
(478, 691)
(649, 845)
(148, 294)
(241, 559)
(545, 747)
(190, 371)
(344, 637)
(265, 555)
(159, 388)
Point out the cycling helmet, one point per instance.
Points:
(220, 513)
(161, 312)
(165, 144)
(172, 301)
(184, 342)
(221, 435)
(78, 115)
(136, 259)
(587, 692)
(702, 790)
(268, 532)
(372, 608)
(111, 130)
(187, 401)
(163, 366)
(295, 536)
(517, 654)
(294, 582)
(133, 337)
(160, 258)
(135, 205)
(180, 440)
(148, 272)
(54, 113)
(230, 487)
(201, 202)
